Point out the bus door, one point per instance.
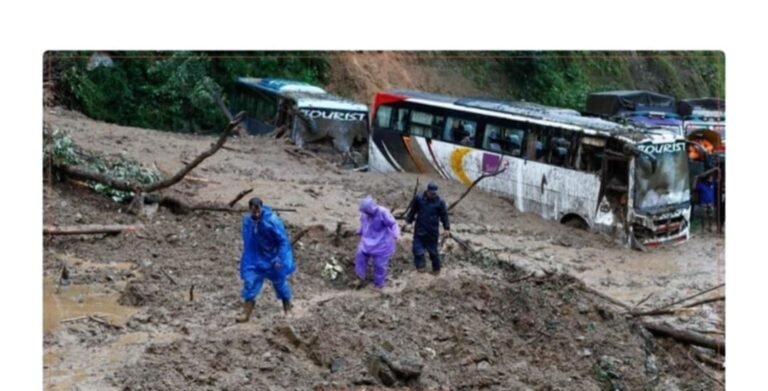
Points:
(614, 197)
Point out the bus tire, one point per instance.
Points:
(575, 221)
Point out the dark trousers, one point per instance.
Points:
(422, 244)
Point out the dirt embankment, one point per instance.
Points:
(477, 326)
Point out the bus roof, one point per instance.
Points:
(304, 94)
(540, 112)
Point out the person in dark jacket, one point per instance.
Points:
(429, 211)
(706, 192)
(266, 254)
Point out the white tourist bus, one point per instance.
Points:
(626, 181)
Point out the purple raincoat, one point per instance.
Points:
(378, 236)
(378, 229)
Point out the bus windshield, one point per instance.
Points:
(666, 184)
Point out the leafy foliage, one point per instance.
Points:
(167, 90)
(64, 151)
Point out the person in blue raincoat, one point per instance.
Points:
(429, 211)
(266, 254)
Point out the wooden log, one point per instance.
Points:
(88, 229)
(239, 196)
(685, 336)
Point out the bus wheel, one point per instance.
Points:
(574, 221)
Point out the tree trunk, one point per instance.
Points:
(685, 336)
(88, 229)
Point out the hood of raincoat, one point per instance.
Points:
(368, 206)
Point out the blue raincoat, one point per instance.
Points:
(266, 254)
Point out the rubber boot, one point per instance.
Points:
(247, 310)
(287, 306)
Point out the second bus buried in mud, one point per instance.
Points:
(629, 182)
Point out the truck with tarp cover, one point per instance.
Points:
(640, 108)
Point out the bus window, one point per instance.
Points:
(538, 145)
(560, 152)
(590, 157)
(384, 116)
(401, 119)
(504, 139)
(424, 124)
(459, 131)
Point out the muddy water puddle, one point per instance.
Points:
(63, 303)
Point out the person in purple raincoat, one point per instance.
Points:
(378, 236)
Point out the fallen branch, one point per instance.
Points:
(192, 292)
(714, 363)
(88, 229)
(169, 277)
(706, 301)
(179, 206)
(522, 278)
(304, 232)
(606, 297)
(239, 196)
(657, 311)
(685, 336)
(463, 243)
(337, 235)
(498, 171)
(117, 184)
(410, 204)
(643, 300)
(216, 97)
(702, 370)
(104, 322)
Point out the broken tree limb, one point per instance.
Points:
(606, 297)
(304, 232)
(702, 370)
(89, 229)
(223, 107)
(170, 277)
(82, 173)
(239, 196)
(337, 236)
(192, 292)
(199, 159)
(179, 206)
(685, 336)
(670, 311)
(655, 311)
(705, 301)
(463, 243)
(410, 203)
(643, 300)
(498, 171)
